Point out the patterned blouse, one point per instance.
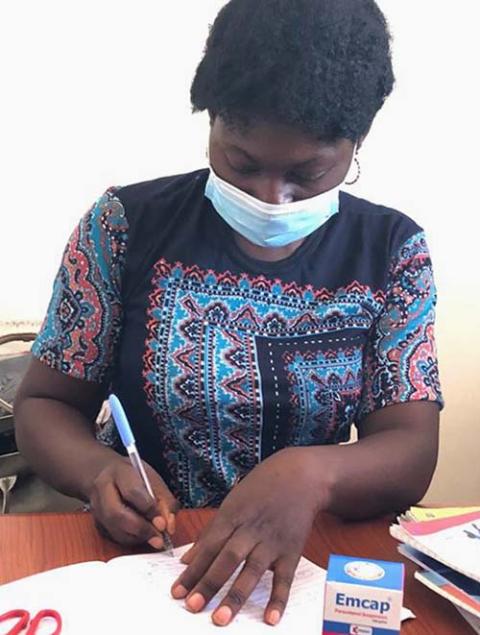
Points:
(221, 360)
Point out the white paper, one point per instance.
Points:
(407, 614)
(458, 547)
(74, 591)
(155, 574)
(131, 594)
(471, 619)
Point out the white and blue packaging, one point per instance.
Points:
(363, 597)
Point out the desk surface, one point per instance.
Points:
(30, 543)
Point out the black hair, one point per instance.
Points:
(320, 65)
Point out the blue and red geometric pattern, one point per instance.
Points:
(232, 367)
(83, 321)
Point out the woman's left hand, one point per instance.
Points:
(263, 522)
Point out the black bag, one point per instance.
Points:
(21, 490)
(12, 369)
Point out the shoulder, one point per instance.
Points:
(161, 193)
(106, 214)
(103, 230)
(378, 223)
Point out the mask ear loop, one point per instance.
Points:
(359, 169)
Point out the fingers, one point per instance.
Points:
(206, 551)
(133, 492)
(213, 578)
(283, 575)
(189, 555)
(166, 504)
(123, 507)
(156, 542)
(207, 573)
(255, 566)
(167, 515)
(123, 524)
(217, 575)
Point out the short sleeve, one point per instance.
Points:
(401, 360)
(83, 322)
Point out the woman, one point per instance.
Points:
(248, 315)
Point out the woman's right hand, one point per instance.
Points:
(124, 511)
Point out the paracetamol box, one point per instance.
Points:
(363, 597)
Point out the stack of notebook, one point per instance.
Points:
(445, 543)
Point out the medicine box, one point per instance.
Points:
(363, 597)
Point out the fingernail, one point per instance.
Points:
(179, 592)
(196, 602)
(159, 523)
(156, 542)
(222, 616)
(274, 617)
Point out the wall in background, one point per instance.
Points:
(96, 94)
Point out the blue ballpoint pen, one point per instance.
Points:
(128, 440)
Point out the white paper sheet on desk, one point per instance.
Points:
(304, 611)
(73, 591)
(154, 574)
(131, 594)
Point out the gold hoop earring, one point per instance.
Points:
(359, 172)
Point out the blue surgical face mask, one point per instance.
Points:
(265, 224)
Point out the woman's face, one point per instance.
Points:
(276, 163)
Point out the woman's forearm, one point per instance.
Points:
(58, 442)
(383, 472)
